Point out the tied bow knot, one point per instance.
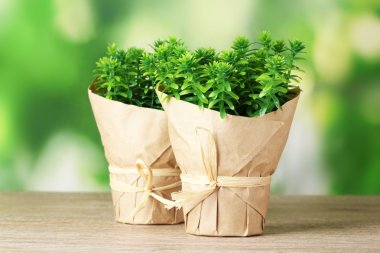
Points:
(209, 183)
(146, 173)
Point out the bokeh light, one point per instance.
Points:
(48, 137)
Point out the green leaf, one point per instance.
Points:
(229, 103)
(174, 86)
(213, 102)
(214, 94)
(202, 97)
(186, 92)
(233, 95)
(276, 101)
(129, 94)
(222, 112)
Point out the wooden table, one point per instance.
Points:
(83, 222)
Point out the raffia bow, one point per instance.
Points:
(202, 186)
(146, 173)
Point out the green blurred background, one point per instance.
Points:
(48, 137)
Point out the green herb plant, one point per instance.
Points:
(250, 79)
(119, 76)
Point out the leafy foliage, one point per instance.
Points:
(250, 79)
(119, 76)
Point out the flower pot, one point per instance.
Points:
(143, 170)
(226, 166)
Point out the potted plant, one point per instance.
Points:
(134, 133)
(229, 117)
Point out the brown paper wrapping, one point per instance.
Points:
(245, 147)
(129, 133)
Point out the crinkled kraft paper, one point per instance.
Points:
(129, 133)
(246, 147)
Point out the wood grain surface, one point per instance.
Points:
(83, 222)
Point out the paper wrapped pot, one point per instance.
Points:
(226, 165)
(136, 144)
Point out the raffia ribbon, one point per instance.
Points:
(203, 186)
(146, 173)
